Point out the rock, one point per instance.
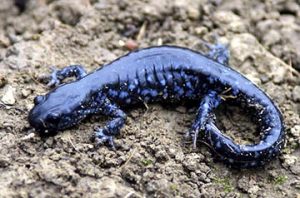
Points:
(162, 156)
(150, 10)
(296, 93)
(289, 160)
(271, 37)
(4, 161)
(253, 189)
(70, 12)
(200, 31)
(295, 130)
(161, 187)
(23, 54)
(247, 185)
(179, 156)
(279, 74)
(244, 46)
(130, 175)
(192, 161)
(4, 41)
(193, 13)
(229, 21)
(25, 92)
(3, 80)
(108, 187)
(295, 169)
(8, 97)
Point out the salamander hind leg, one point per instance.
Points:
(219, 52)
(210, 101)
(59, 75)
(112, 128)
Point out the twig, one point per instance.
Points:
(142, 31)
(129, 158)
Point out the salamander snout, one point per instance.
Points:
(44, 123)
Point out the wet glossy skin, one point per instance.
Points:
(164, 73)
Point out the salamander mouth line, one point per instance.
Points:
(43, 123)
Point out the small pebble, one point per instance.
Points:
(121, 43)
(181, 109)
(200, 31)
(25, 92)
(131, 45)
(193, 13)
(289, 160)
(296, 94)
(295, 130)
(108, 187)
(29, 106)
(4, 41)
(8, 97)
(271, 37)
(3, 80)
(253, 189)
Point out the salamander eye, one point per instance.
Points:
(37, 100)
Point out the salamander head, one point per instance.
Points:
(55, 111)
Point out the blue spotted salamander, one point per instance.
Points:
(163, 73)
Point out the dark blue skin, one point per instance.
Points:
(165, 73)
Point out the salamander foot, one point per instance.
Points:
(54, 81)
(101, 138)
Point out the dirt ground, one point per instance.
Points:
(153, 159)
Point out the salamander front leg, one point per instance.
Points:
(208, 103)
(58, 75)
(112, 128)
(219, 52)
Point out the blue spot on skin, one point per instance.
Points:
(211, 80)
(169, 77)
(189, 93)
(183, 75)
(165, 96)
(194, 79)
(189, 85)
(145, 92)
(112, 92)
(163, 82)
(123, 94)
(147, 99)
(138, 91)
(150, 92)
(234, 91)
(153, 93)
(178, 90)
(177, 76)
(131, 87)
(128, 100)
(149, 79)
(218, 144)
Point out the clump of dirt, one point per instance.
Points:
(153, 159)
